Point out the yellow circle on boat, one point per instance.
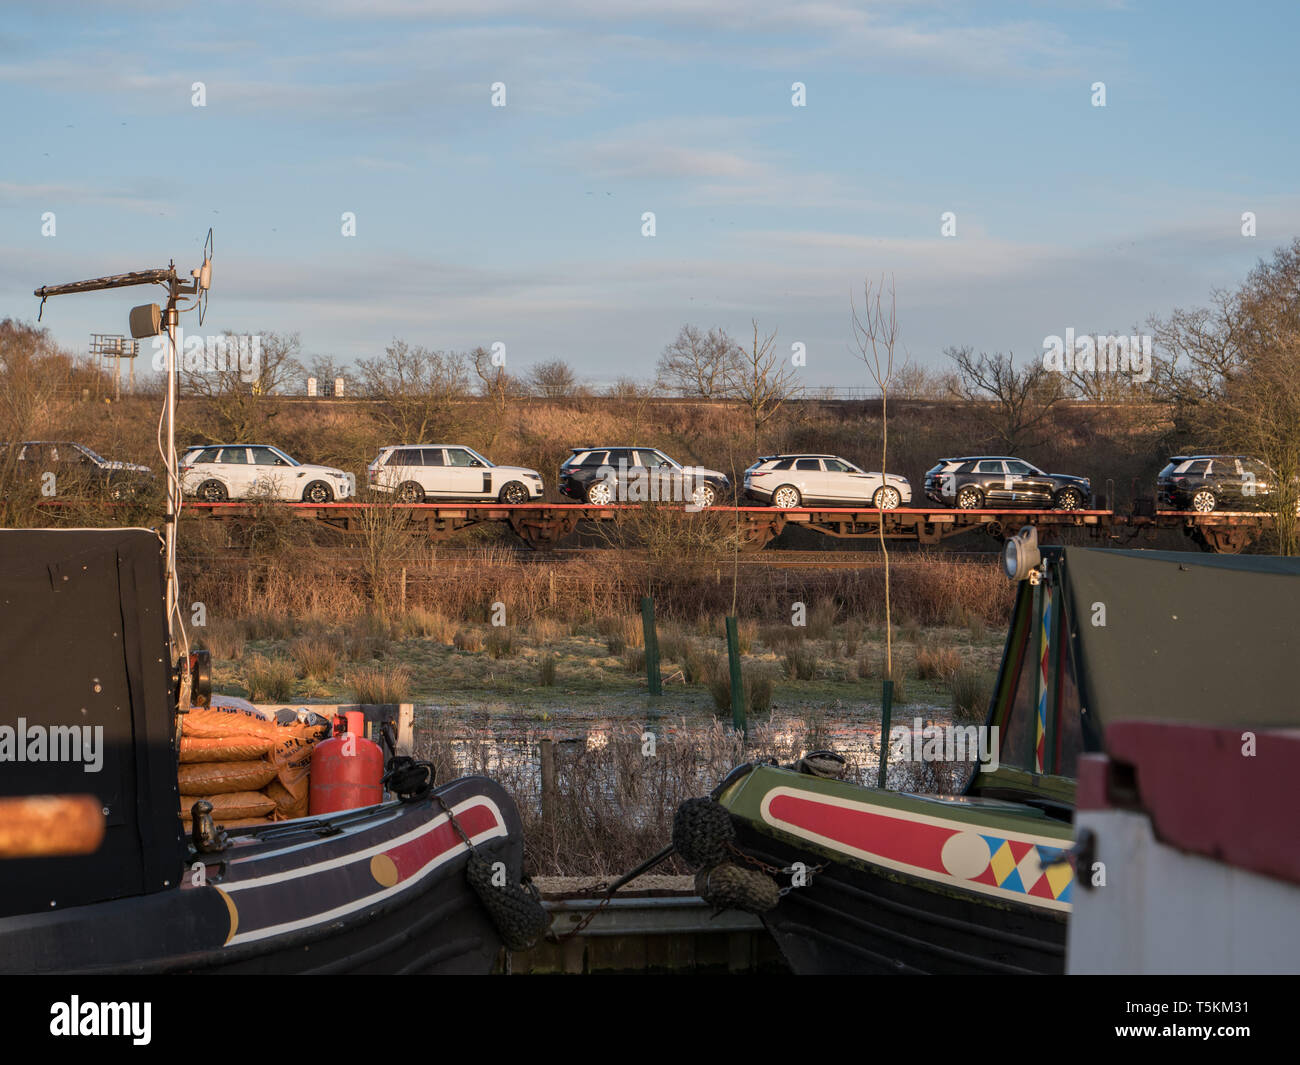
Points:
(384, 869)
(965, 855)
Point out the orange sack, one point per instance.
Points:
(228, 749)
(214, 778)
(231, 805)
(288, 804)
(219, 722)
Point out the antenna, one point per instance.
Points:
(150, 320)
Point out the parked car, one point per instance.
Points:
(218, 472)
(1207, 483)
(795, 480)
(978, 481)
(602, 475)
(416, 472)
(75, 466)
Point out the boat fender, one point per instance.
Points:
(515, 908)
(728, 886)
(825, 764)
(703, 833)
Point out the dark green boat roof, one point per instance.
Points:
(1187, 637)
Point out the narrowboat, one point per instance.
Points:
(92, 696)
(878, 881)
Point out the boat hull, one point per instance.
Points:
(898, 883)
(378, 890)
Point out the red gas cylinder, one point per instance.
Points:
(346, 771)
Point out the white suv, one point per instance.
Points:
(416, 472)
(257, 471)
(795, 480)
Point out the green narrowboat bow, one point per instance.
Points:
(981, 882)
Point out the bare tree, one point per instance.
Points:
(763, 381)
(875, 335)
(1016, 405)
(553, 379)
(911, 381)
(418, 390)
(239, 376)
(1231, 376)
(497, 387)
(700, 364)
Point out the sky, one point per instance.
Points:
(523, 224)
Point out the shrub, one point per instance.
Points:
(971, 691)
(800, 664)
(546, 671)
(468, 640)
(315, 657)
(269, 679)
(500, 642)
(223, 639)
(757, 688)
(634, 660)
(419, 621)
(936, 662)
(375, 684)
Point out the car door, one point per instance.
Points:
(994, 481)
(841, 483)
(661, 476)
(233, 468)
(1029, 486)
(465, 476)
(271, 476)
(1257, 483)
(809, 477)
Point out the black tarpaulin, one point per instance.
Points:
(83, 645)
(1170, 636)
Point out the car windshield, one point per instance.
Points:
(85, 450)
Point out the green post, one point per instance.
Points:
(886, 715)
(737, 681)
(651, 646)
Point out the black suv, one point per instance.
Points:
(978, 481)
(604, 475)
(1215, 482)
(75, 467)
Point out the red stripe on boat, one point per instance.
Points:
(415, 854)
(895, 838)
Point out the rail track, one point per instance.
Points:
(542, 526)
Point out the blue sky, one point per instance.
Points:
(522, 224)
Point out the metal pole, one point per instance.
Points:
(886, 716)
(738, 719)
(173, 486)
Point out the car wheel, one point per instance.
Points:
(786, 496)
(1069, 499)
(318, 492)
(886, 498)
(410, 492)
(212, 492)
(970, 498)
(514, 494)
(704, 496)
(599, 494)
(1203, 501)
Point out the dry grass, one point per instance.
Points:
(800, 663)
(468, 640)
(376, 684)
(317, 658)
(224, 639)
(269, 680)
(936, 663)
(971, 691)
